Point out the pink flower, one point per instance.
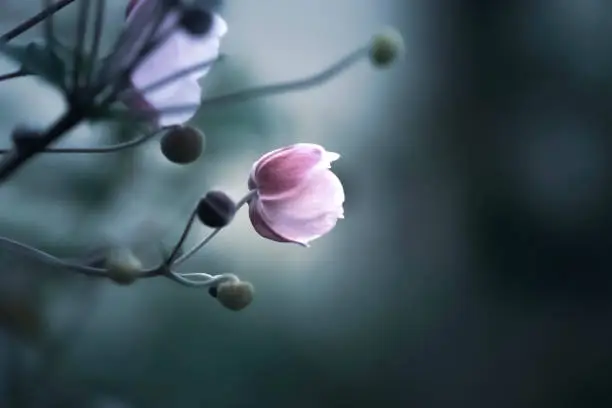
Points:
(181, 50)
(298, 198)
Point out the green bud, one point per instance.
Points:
(386, 47)
(182, 144)
(123, 266)
(235, 295)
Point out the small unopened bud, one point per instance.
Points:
(122, 266)
(386, 47)
(216, 209)
(182, 144)
(196, 20)
(235, 295)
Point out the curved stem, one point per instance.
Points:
(213, 280)
(31, 22)
(95, 47)
(81, 31)
(210, 236)
(107, 149)
(50, 259)
(276, 89)
(175, 251)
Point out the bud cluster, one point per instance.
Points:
(154, 72)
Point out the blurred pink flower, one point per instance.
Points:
(181, 50)
(298, 198)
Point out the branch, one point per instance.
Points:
(12, 75)
(17, 157)
(31, 22)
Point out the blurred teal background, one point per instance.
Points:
(473, 266)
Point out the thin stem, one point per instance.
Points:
(276, 89)
(107, 149)
(175, 251)
(210, 236)
(50, 259)
(81, 31)
(48, 27)
(31, 22)
(95, 47)
(12, 75)
(197, 274)
(212, 281)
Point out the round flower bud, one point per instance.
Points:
(386, 47)
(122, 266)
(196, 20)
(216, 209)
(182, 144)
(235, 295)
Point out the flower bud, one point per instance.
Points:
(386, 47)
(122, 266)
(196, 20)
(182, 144)
(298, 198)
(216, 209)
(235, 295)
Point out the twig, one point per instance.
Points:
(31, 22)
(12, 75)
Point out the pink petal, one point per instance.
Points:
(260, 224)
(308, 212)
(282, 170)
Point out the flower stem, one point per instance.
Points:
(95, 46)
(175, 251)
(81, 32)
(209, 280)
(210, 236)
(31, 22)
(50, 259)
(261, 91)
(291, 86)
(106, 149)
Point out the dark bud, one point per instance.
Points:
(212, 291)
(216, 209)
(182, 144)
(386, 47)
(196, 20)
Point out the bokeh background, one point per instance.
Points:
(473, 266)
